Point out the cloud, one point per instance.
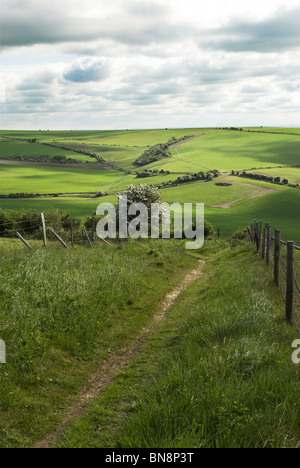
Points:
(86, 70)
(279, 33)
(30, 23)
(2, 92)
(146, 62)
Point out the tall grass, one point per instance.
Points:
(229, 380)
(64, 310)
(218, 373)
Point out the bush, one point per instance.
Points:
(241, 234)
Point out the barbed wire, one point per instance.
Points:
(20, 222)
(29, 228)
(296, 284)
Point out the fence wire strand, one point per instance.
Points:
(283, 271)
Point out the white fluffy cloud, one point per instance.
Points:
(148, 63)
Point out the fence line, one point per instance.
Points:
(281, 256)
(20, 222)
(278, 253)
(65, 235)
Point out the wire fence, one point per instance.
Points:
(275, 247)
(283, 256)
(69, 232)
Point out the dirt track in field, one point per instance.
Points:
(117, 362)
(258, 192)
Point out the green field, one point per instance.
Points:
(77, 207)
(281, 209)
(143, 344)
(290, 130)
(114, 137)
(224, 150)
(22, 179)
(45, 180)
(292, 174)
(208, 192)
(24, 149)
(228, 150)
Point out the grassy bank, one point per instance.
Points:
(62, 313)
(217, 374)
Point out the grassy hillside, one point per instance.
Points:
(207, 192)
(274, 129)
(63, 312)
(75, 206)
(44, 180)
(17, 179)
(9, 149)
(216, 373)
(116, 137)
(292, 174)
(280, 208)
(227, 150)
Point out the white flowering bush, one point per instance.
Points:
(143, 193)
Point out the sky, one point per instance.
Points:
(118, 64)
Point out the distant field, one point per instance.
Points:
(22, 179)
(212, 149)
(227, 150)
(274, 129)
(281, 209)
(290, 173)
(44, 180)
(207, 192)
(114, 137)
(76, 207)
(20, 148)
(121, 156)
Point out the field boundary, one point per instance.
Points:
(281, 256)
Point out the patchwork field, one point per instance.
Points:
(259, 150)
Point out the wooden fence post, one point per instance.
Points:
(44, 229)
(259, 233)
(93, 229)
(256, 233)
(290, 281)
(58, 238)
(277, 256)
(72, 233)
(263, 250)
(23, 240)
(85, 234)
(268, 243)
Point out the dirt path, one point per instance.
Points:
(258, 192)
(117, 362)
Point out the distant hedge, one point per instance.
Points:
(158, 152)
